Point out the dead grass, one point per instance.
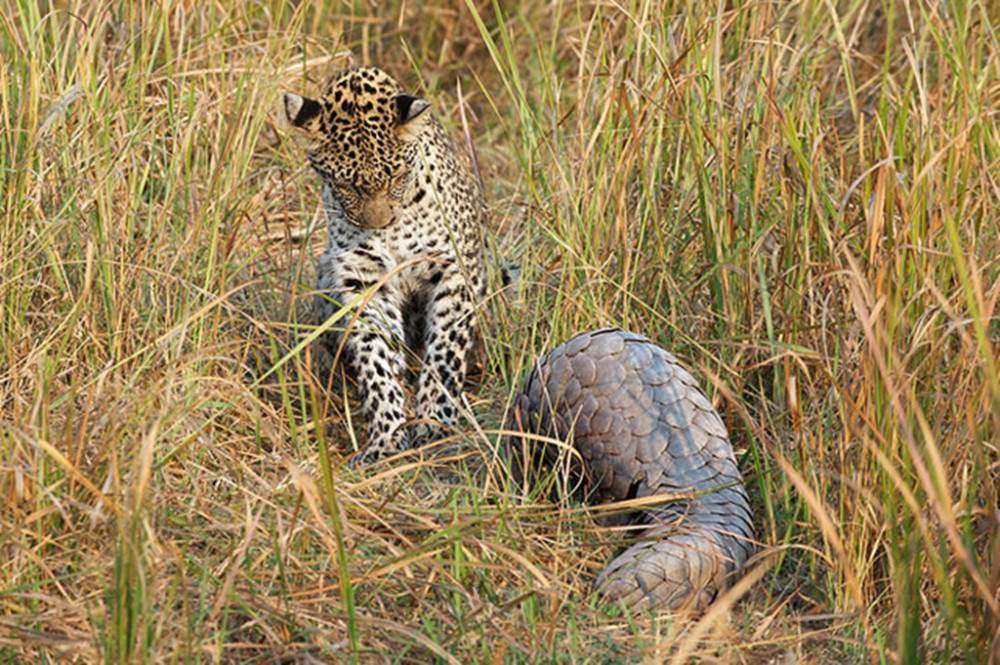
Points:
(799, 199)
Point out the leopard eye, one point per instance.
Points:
(355, 187)
(400, 181)
(349, 188)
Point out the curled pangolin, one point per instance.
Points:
(642, 426)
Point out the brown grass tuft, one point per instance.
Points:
(799, 199)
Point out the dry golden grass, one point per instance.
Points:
(798, 198)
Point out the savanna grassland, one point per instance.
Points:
(799, 198)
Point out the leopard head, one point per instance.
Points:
(358, 133)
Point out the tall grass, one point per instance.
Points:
(799, 199)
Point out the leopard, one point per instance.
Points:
(405, 214)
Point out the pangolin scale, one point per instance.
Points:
(642, 427)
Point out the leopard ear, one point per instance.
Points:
(409, 107)
(300, 110)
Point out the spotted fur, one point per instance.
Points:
(401, 202)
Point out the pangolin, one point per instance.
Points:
(642, 427)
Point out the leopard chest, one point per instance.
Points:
(413, 249)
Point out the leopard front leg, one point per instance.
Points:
(451, 329)
(380, 367)
(372, 346)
